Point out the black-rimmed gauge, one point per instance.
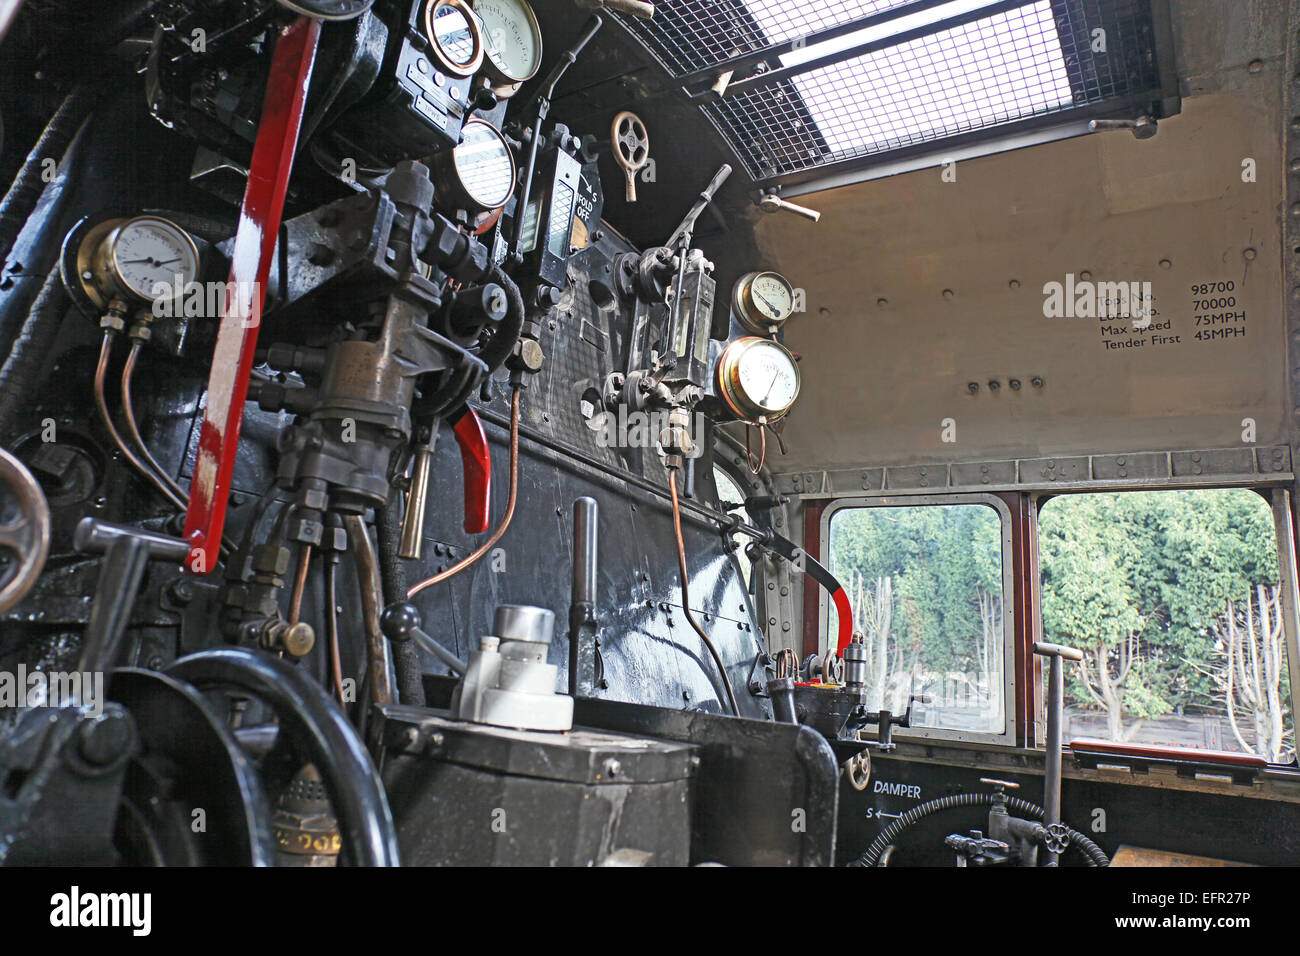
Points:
(758, 378)
(513, 40)
(454, 35)
(763, 301)
(135, 259)
(479, 174)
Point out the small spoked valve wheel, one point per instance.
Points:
(631, 144)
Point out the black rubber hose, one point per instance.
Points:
(392, 571)
(28, 185)
(313, 723)
(32, 346)
(507, 333)
(890, 833)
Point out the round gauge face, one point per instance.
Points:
(768, 378)
(451, 28)
(484, 165)
(763, 300)
(148, 252)
(512, 37)
(772, 295)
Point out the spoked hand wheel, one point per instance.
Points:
(631, 144)
(316, 732)
(24, 529)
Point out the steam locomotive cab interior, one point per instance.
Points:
(603, 432)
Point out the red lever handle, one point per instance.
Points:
(250, 267)
(476, 461)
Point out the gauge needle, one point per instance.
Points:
(768, 302)
(770, 385)
(152, 262)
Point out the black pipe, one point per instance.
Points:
(406, 659)
(321, 732)
(781, 691)
(507, 333)
(582, 607)
(30, 182)
(31, 348)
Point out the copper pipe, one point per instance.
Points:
(486, 546)
(299, 583)
(762, 455)
(686, 597)
(133, 429)
(332, 625)
(372, 599)
(101, 371)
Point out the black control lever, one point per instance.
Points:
(542, 100)
(126, 553)
(402, 622)
(682, 234)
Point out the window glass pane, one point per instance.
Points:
(925, 585)
(732, 500)
(1173, 597)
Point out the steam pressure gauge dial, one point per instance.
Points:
(758, 378)
(763, 301)
(135, 260)
(513, 41)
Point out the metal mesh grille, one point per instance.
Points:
(689, 35)
(1043, 57)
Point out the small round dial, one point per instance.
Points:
(148, 252)
(512, 38)
(759, 378)
(763, 301)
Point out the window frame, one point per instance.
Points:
(1010, 677)
(1279, 500)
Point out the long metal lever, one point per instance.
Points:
(126, 553)
(777, 204)
(401, 622)
(1055, 716)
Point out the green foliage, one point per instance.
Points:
(1158, 565)
(1153, 567)
(940, 557)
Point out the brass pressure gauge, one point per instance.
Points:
(513, 42)
(763, 301)
(140, 260)
(758, 378)
(455, 36)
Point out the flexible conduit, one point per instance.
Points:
(887, 836)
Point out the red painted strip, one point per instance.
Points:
(250, 267)
(476, 463)
(841, 599)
